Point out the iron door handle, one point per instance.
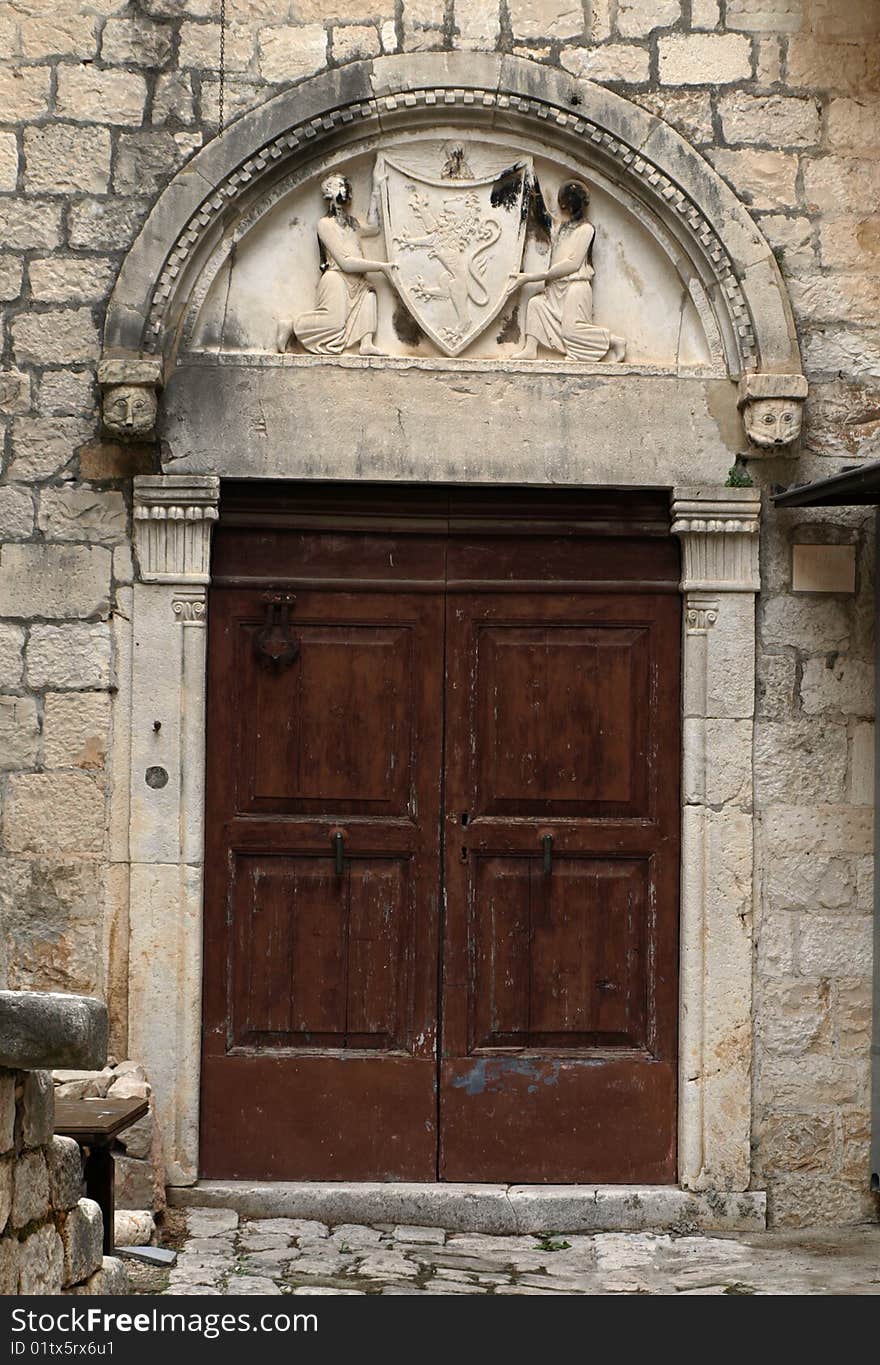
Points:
(547, 845)
(338, 842)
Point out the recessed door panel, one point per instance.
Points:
(321, 959)
(559, 957)
(306, 745)
(559, 729)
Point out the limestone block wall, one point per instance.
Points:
(50, 1237)
(100, 102)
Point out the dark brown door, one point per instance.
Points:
(549, 649)
(321, 961)
(559, 1042)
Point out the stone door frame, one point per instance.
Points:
(159, 760)
(154, 933)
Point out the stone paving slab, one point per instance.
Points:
(229, 1255)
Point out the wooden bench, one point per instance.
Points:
(94, 1124)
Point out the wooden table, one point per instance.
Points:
(94, 1124)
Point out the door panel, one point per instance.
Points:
(559, 958)
(303, 748)
(321, 976)
(547, 1127)
(560, 1001)
(558, 728)
(320, 960)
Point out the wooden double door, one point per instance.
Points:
(442, 838)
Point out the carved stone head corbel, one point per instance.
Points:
(772, 408)
(129, 396)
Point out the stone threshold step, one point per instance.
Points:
(486, 1208)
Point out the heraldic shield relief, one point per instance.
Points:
(455, 242)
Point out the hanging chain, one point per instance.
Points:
(222, 64)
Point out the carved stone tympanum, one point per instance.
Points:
(456, 235)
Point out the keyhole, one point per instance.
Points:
(465, 818)
(463, 853)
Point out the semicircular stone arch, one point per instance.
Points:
(664, 200)
(388, 96)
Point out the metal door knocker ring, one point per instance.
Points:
(274, 644)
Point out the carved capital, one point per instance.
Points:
(719, 535)
(701, 613)
(173, 519)
(190, 607)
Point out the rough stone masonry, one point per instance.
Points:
(100, 102)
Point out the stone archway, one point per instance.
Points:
(384, 96)
(228, 413)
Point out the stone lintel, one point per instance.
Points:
(394, 422)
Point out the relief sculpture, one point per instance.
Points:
(560, 318)
(772, 409)
(129, 395)
(345, 312)
(456, 238)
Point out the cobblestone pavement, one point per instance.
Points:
(220, 1254)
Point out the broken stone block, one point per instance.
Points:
(82, 1236)
(129, 1068)
(37, 1109)
(129, 1088)
(65, 1172)
(134, 1183)
(133, 1228)
(48, 1029)
(73, 1090)
(80, 1085)
(111, 1278)
(138, 1139)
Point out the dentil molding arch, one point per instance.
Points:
(384, 96)
(233, 414)
(212, 207)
